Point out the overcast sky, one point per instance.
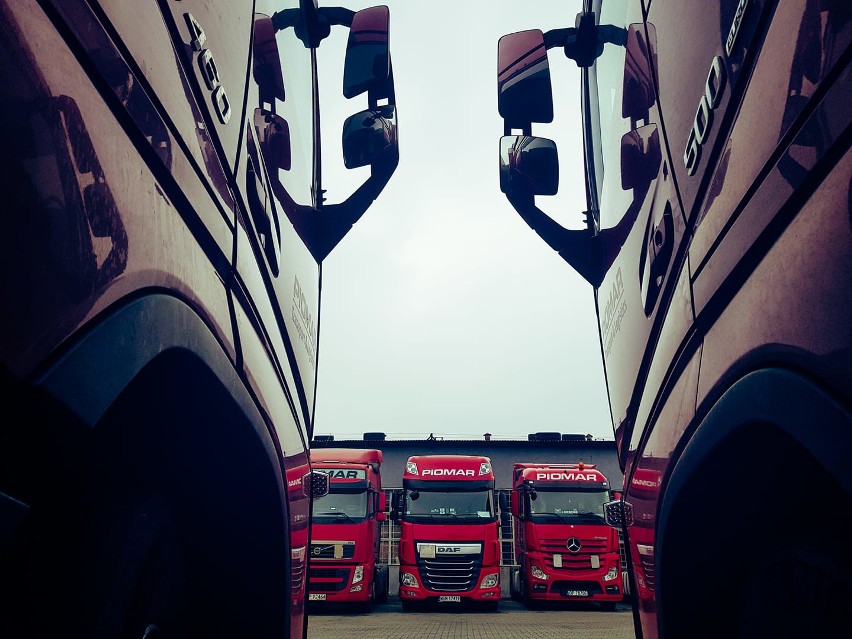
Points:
(442, 311)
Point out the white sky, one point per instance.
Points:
(442, 311)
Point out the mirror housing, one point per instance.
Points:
(641, 157)
(367, 135)
(273, 136)
(315, 484)
(396, 505)
(528, 165)
(618, 514)
(266, 63)
(524, 93)
(367, 64)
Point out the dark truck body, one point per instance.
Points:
(160, 310)
(719, 250)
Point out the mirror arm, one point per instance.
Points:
(577, 247)
(337, 15)
(558, 37)
(584, 43)
(312, 25)
(326, 227)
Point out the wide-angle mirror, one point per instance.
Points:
(528, 165)
(367, 135)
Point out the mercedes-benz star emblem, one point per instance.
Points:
(573, 544)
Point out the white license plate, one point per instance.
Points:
(450, 598)
(316, 596)
(576, 593)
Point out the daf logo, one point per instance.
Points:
(446, 549)
(573, 545)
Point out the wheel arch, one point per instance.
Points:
(772, 436)
(165, 411)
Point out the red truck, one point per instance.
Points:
(717, 244)
(346, 530)
(448, 547)
(563, 547)
(160, 265)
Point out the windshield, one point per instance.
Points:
(449, 507)
(340, 506)
(551, 507)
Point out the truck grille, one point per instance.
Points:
(572, 561)
(325, 550)
(327, 579)
(450, 574)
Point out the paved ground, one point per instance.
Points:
(512, 621)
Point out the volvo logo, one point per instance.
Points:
(573, 545)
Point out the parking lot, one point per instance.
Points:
(512, 621)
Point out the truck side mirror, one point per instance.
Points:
(528, 165)
(641, 157)
(367, 64)
(367, 135)
(315, 484)
(395, 506)
(618, 514)
(515, 507)
(273, 136)
(266, 66)
(381, 515)
(523, 79)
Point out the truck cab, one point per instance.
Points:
(563, 546)
(449, 553)
(346, 527)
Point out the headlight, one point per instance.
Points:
(359, 574)
(538, 573)
(611, 574)
(489, 581)
(407, 579)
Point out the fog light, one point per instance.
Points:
(611, 574)
(538, 573)
(407, 579)
(356, 588)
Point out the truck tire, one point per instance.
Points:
(135, 585)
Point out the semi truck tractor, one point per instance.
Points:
(716, 242)
(346, 530)
(160, 264)
(563, 547)
(448, 548)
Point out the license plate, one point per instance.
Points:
(576, 593)
(450, 598)
(316, 596)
